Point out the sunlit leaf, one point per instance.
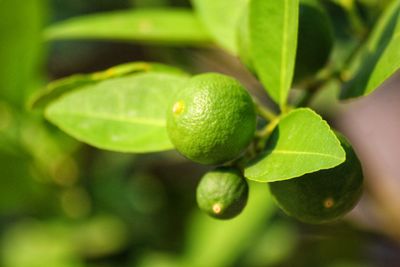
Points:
(380, 57)
(122, 114)
(272, 37)
(59, 87)
(301, 143)
(160, 26)
(221, 19)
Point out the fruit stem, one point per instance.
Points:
(268, 129)
(353, 16)
(257, 145)
(313, 87)
(264, 111)
(306, 98)
(355, 20)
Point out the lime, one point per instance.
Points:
(212, 119)
(315, 39)
(324, 195)
(222, 193)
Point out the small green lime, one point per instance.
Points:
(314, 41)
(222, 193)
(212, 120)
(324, 195)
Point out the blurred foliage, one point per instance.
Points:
(63, 204)
(20, 47)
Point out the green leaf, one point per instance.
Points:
(380, 57)
(221, 19)
(273, 29)
(159, 26)
(125, 114)
(301, 143)
(59, 87)
(20, 48)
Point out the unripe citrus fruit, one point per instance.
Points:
(212, 119)
(222, 193)
(324, 195)
(314, 41)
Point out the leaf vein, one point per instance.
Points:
(284, 52)
(137, 120)
(280, 151)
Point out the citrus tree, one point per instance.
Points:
(210, 118)
(311, 169)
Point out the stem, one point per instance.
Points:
(356, 21)
(241, 162)
(305, 99)
(313, 87)
(343, 75)
(253, 148)
(310, 92)
(264, 111)
(353, 15)
(267, 130)
(257, 144)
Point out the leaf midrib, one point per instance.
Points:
(293, 152)
(137, 120)
(283, 54)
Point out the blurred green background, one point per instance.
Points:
(66, 204)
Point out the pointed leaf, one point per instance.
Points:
(301, 143)
(59, 87)
(165, 26)
(222, 27)
(124, 114)
(380, 57)
(273, 29)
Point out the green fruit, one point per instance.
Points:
(222, 193)
(212, 120)
(324, 195)
(315, 39)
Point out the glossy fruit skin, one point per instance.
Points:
(212, 119)
(325, 195)
(222, 193)
(315, 40)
